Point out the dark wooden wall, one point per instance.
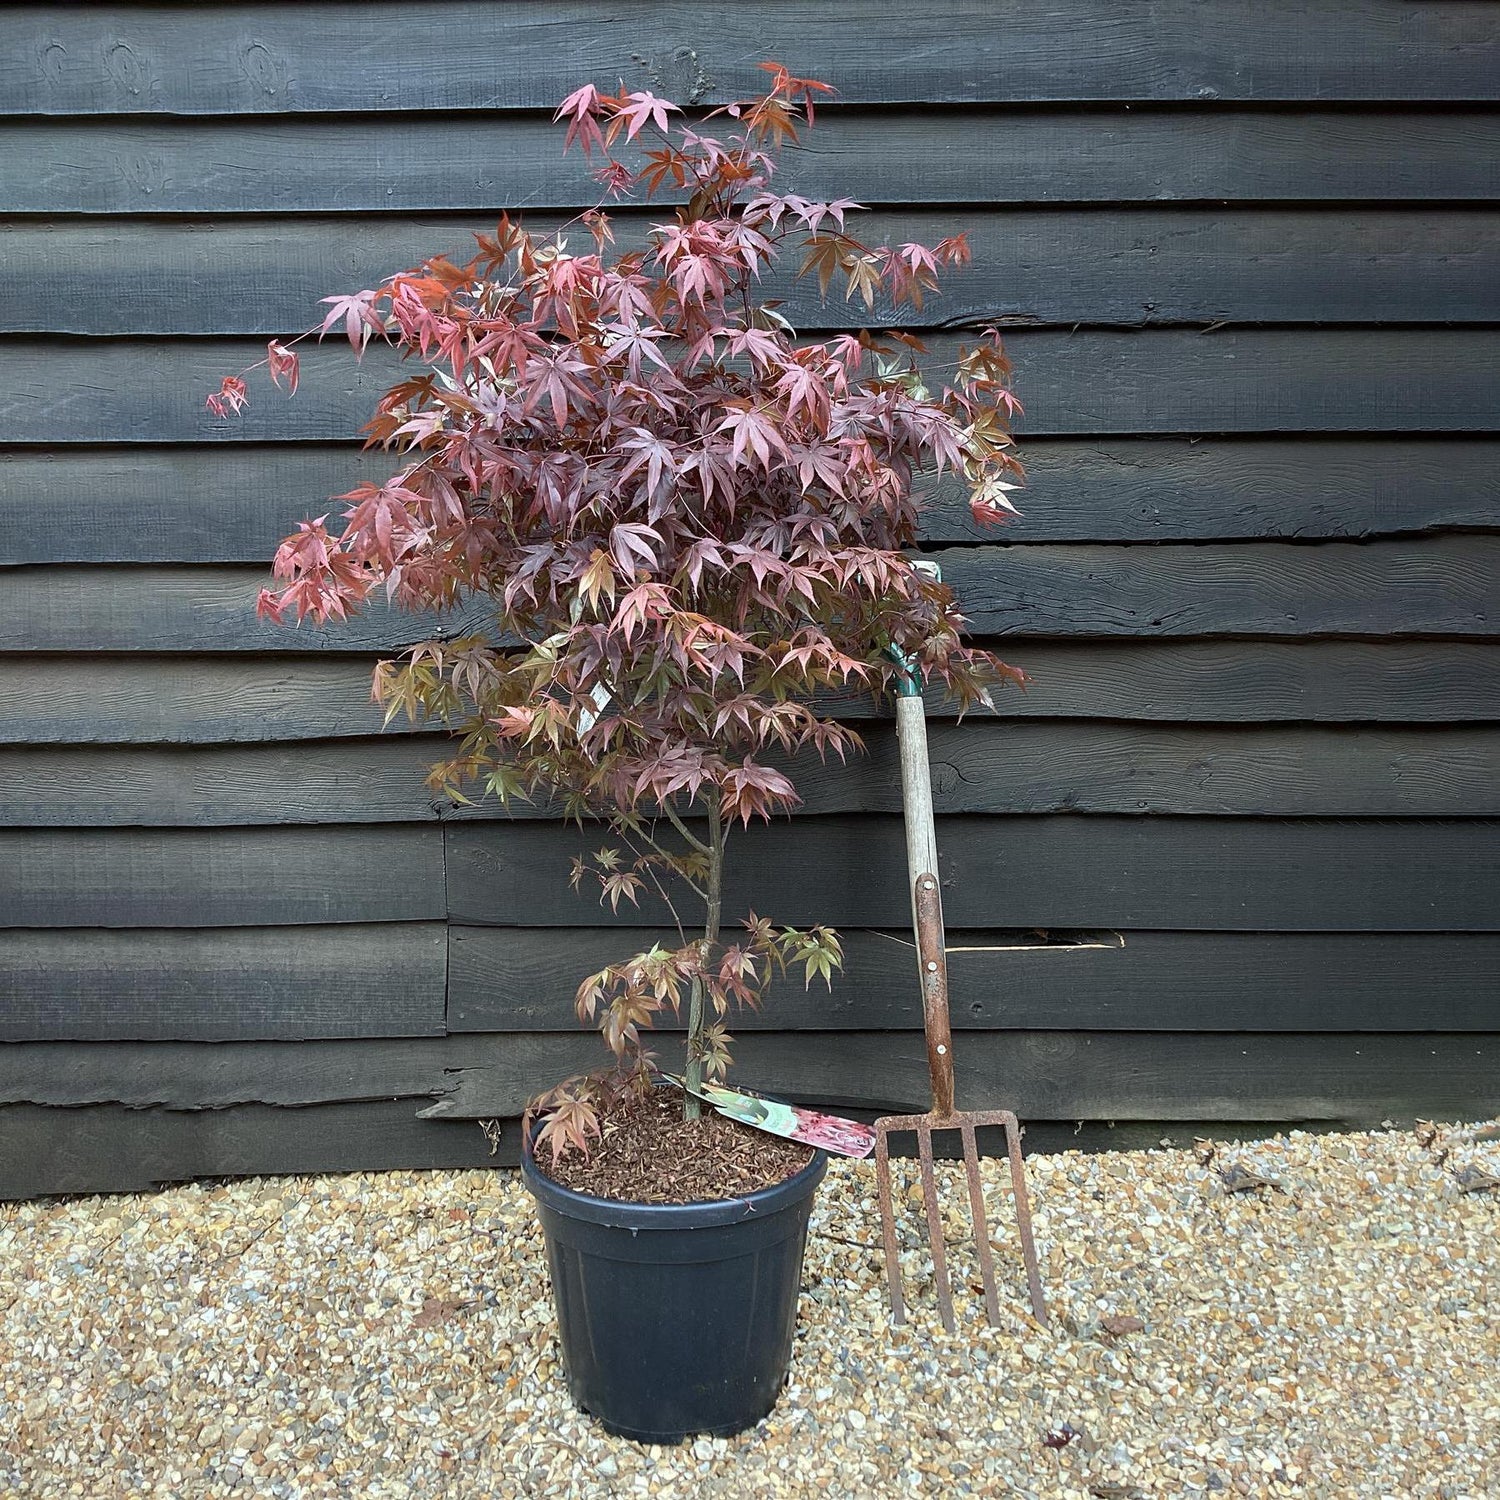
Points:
(1234, 856)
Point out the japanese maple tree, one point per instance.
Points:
(688, 522)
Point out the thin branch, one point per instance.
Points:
(665, 853)
(691, 838)
(661, 889)
(667, 900)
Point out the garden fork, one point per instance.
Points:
(927, 914)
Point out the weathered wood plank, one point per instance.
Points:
(183, 504)
(1052, 1075)
(165, 700)
(1037, 767)
(190, 610)
(523, 979)
(1245, 681)
(109, 1148)
(1133, 267)
(92, 876)
(1433, 586)
(187, 700)
(334, 782)
(1189, 874)
(112, 1149)
(981, 766)
(220, 1075)
(142, 504)
(1093, 381)
(271, 59)
(1221, 488)
(221, 983)
(485, 161)
(1437, 586)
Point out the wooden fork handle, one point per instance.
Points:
(932, 959)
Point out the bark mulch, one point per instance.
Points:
(650, 1154)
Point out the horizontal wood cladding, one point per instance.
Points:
(335, 782)
(87, 985)
(188, 610)
(219, 1075)
(1041, 1074)
(1438, 586)
(228, 504)
(114, 1149)
(1162, 489)
(1188, 874)
(1134, 267)
(523, 979)
(1158, 381)
(980, 766)
(284, 58)
(368, 980)
(486, 161)
(92, 876)
(1232, 857)
(1431, 586)
(1066, 1075)
(187, 700)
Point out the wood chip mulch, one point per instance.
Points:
(650, 1154)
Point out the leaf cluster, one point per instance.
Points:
(622, 998)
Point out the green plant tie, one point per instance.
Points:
(909, 684)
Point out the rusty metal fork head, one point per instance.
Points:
(965, 1123)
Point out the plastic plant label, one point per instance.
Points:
(827, 1132)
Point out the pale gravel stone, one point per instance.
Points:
(268, 1338)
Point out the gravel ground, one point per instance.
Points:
(384, 1335)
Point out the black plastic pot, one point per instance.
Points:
(676, 1318)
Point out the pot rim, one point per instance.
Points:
(700, 1214)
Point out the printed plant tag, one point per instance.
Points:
(827, 1132)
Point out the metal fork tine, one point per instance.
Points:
(966, 1122)
(981, 1224)
(888, 1226)
(935, 1226)
(1023, 1214)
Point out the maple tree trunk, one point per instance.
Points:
(692, 1108)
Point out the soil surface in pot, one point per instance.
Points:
(650, 1154)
